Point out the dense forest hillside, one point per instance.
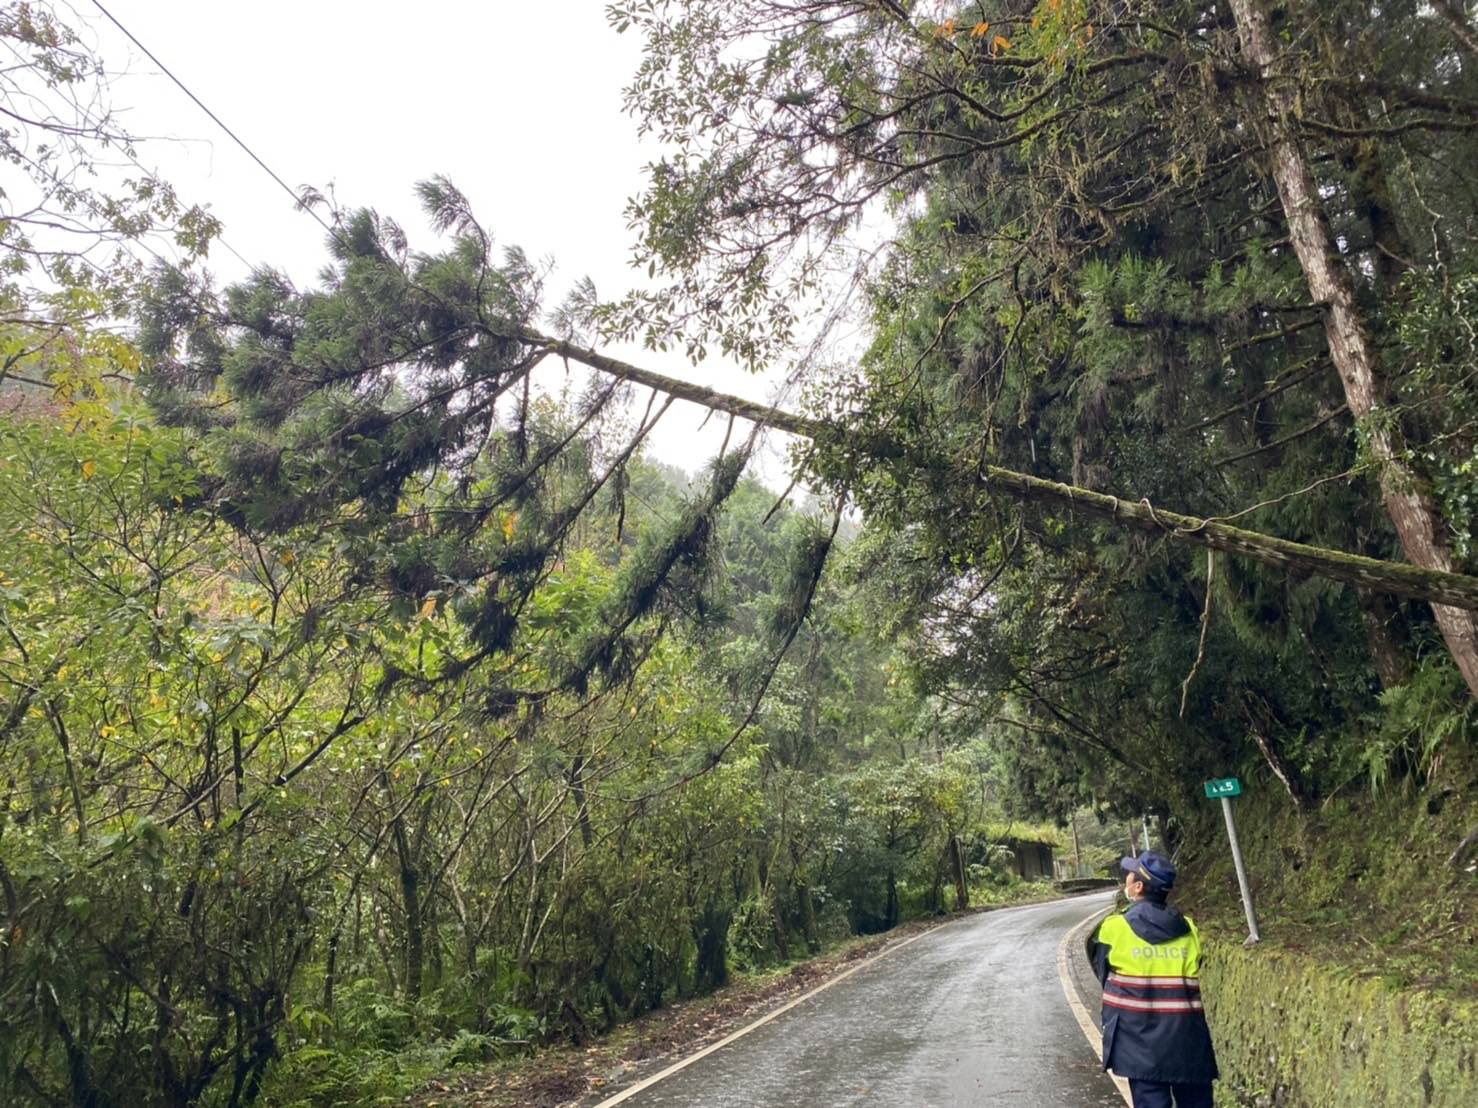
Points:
(369, 704)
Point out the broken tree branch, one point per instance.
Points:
(1436, 586)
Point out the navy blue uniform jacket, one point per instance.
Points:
(1173, 1047)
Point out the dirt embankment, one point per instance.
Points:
(1364, 990)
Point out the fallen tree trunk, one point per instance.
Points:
(1398, 578)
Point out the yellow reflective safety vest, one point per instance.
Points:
(1154, 1025)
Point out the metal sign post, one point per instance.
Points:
(1224, 788)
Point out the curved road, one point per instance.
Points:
(970, 1014)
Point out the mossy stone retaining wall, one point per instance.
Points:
(1290, 1033)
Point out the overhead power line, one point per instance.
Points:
(333, 231)
(252, 154)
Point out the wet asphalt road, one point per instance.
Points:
(970, 1014)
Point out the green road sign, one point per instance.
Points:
(1223, 786)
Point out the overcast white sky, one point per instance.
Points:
(518, 103)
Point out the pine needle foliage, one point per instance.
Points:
(400, 380)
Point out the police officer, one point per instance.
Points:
(1148, 959)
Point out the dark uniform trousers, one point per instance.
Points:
(1162, 1094)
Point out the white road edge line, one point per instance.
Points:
(1080, 1010)
(626, 1094)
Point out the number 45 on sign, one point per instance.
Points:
(1223, 789)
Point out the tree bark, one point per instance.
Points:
(807, 906)
(710, 935)
(582, 803)
(1387, 650)
(1454, 14)
(957, 867)
(1435, 585)
(410, 894)
(1411, 508)
(1372, 195)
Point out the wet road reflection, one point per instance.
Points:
(972, 1014)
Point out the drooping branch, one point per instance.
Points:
(1397, 578)
(1185, 686)
(1287, 380)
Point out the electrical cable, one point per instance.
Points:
(297, 200)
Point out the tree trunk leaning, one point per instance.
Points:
(1411, 508)
(959, 873)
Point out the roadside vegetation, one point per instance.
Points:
(370, 708)
(454, 878)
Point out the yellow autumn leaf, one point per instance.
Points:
(107, 731)
(978, 31)
(89, 467)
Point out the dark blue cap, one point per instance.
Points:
(1154, 869)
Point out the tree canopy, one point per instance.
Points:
(360, 695)
(1176, 255)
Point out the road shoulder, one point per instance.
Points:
(1081, 988)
